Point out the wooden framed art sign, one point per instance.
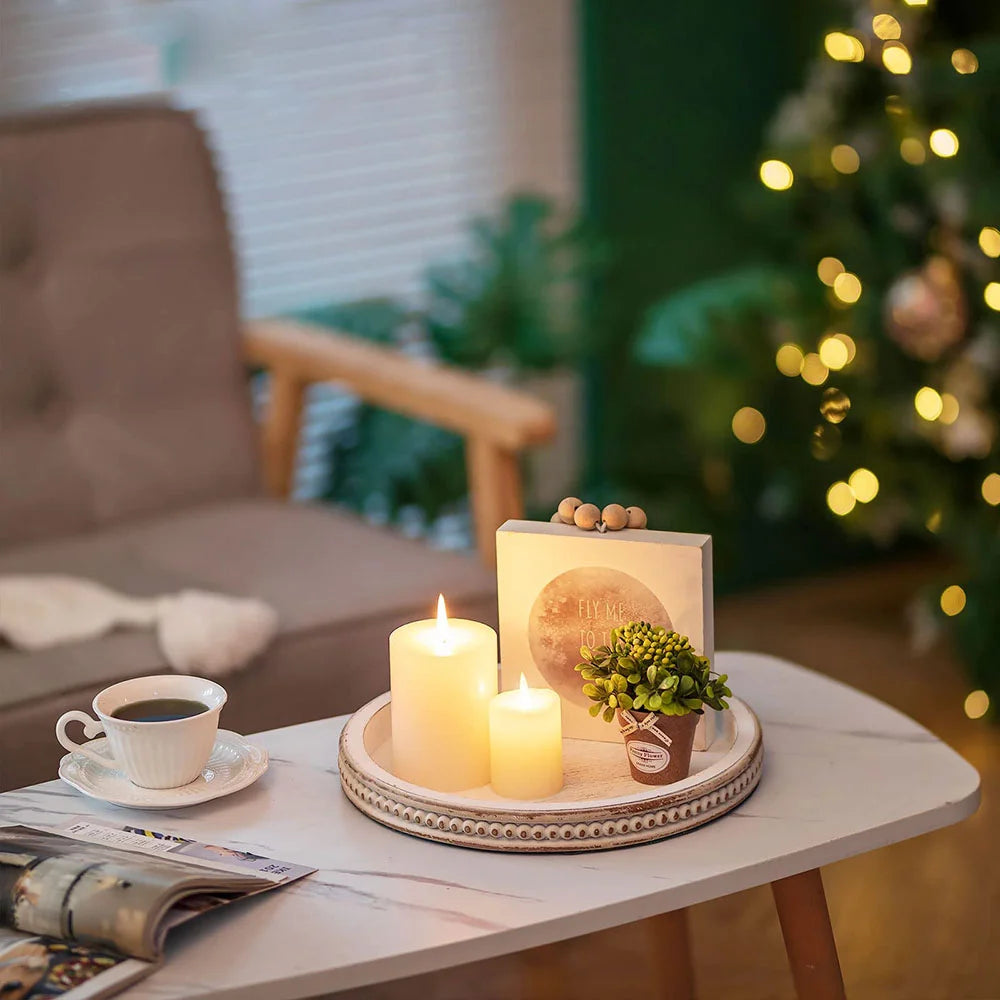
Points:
(560, 588)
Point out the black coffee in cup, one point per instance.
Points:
(159, 710)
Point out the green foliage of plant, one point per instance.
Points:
(377, 319)
(402, 461)
(706, 323)
(516, 299)
(383, 454)
(649, 669)
(513, 302)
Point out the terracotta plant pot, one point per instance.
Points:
(658, 746)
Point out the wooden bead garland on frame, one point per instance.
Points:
(589, 517)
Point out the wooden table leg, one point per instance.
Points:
(805, 924)
(670, 936)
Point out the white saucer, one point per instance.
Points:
(234, 764)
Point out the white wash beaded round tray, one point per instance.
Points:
(600, 806)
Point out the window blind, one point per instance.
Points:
(355, 138)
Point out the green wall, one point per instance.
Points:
(676, 95)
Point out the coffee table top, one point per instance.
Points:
(843, 774)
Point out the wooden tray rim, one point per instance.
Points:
(651, 813)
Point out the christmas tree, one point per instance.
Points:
(850, 385)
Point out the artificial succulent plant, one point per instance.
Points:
(649, 669)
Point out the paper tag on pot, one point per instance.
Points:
(650, 758)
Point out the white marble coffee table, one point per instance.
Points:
(843, 774)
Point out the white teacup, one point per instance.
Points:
(153, 754)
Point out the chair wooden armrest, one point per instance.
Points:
(496, 421)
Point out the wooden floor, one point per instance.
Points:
(916, 921)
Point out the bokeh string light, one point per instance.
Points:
(849, 345)
(991, 295)
(843, 47)
(964, 61)
(845, 159)
(977, 704)
(886, 27)
(943, 142)
(776, 175)
(788, 360)
(953, 600)
(829, 267)
(928, 404)
(991, 489)
(864, 485)
(840, 499)
(847, 287)
(989, 241)
(813, 370)
(912, 151)
(950, 409)
(748, 425)
(896, 58)
(833, 353)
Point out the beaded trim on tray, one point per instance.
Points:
(650, 825)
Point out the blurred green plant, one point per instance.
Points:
(383, 460)
(516, 301)
(513, 305)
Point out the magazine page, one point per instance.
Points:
(39, 968)
(78, 900)
(93, 894)
(222, 860)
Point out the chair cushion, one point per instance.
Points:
(122, 392)
(339, 586)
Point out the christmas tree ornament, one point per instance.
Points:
(906, 219)
(952, 204)
(824, 442)
(971, 435)
(925, 310)
(834, 405)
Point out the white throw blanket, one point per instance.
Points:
(198, 632)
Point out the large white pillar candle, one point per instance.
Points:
(443, 674)
(526, 743)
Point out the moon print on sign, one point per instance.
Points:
(580, 608)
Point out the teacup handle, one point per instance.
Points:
(91, 728)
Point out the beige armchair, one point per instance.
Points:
(128, 450)
(497, 422)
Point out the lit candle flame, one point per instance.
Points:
(524, 693)
(443, 629)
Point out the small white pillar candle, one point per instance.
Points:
(443, 675)
(526, 743)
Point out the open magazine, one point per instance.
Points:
(85, 907)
